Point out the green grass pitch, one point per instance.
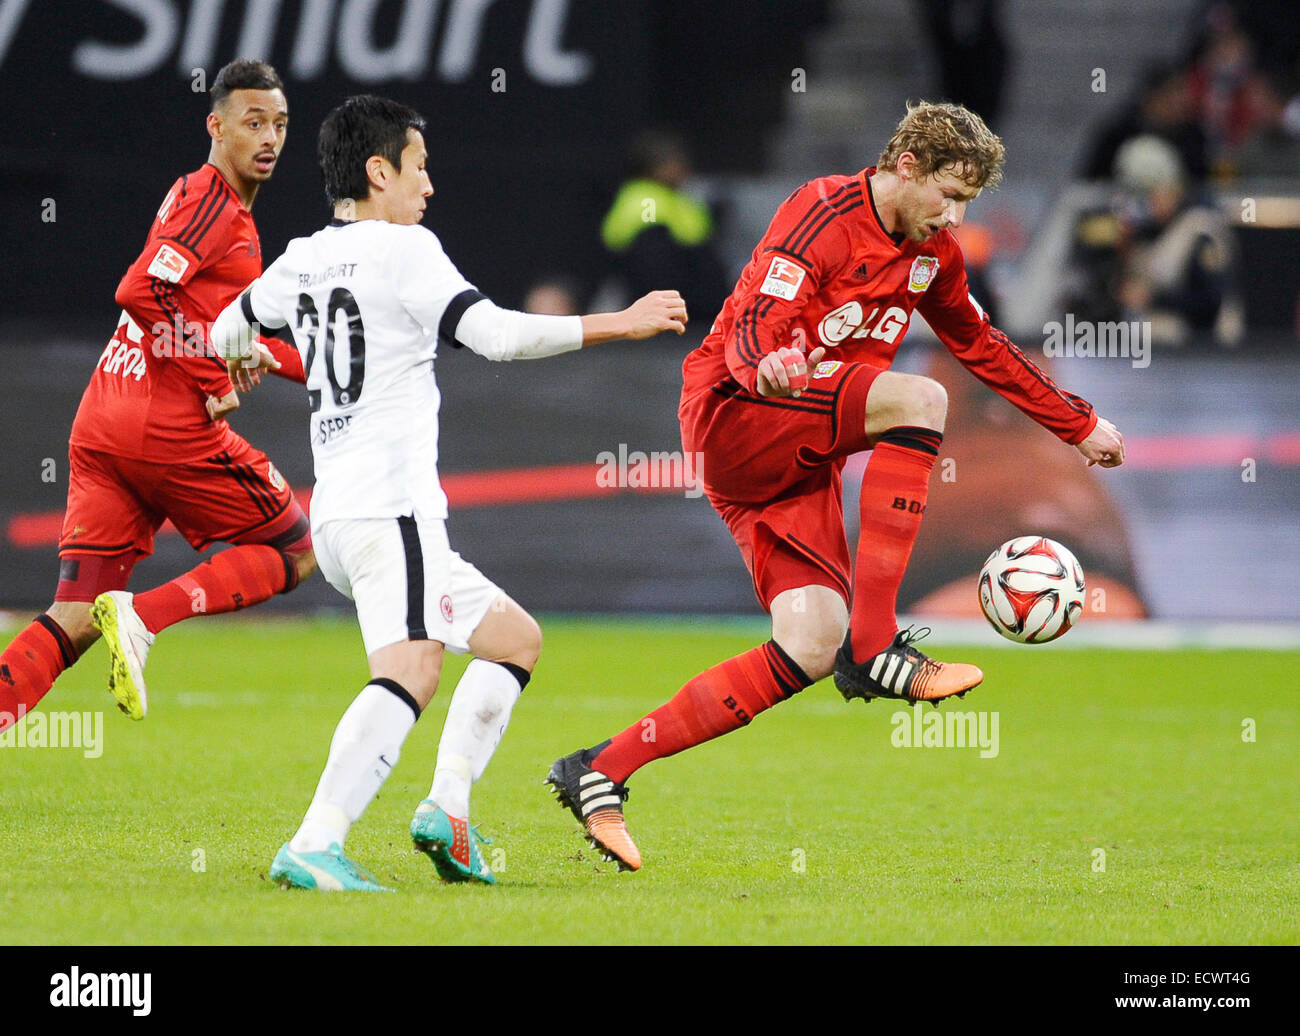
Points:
(810, 826)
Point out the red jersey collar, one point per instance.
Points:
(865, 178)
(226, 184)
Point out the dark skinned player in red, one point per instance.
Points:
(150, 441)
(792, 379)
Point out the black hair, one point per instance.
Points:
(244, 74)
(362, 126)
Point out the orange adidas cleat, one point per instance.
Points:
(597, 801)
(901, 671)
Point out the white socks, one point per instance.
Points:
(369, 738)
(480, 709)
(365, 748)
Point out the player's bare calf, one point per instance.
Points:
(809, 623)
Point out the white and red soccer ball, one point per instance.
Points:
(1031, 590)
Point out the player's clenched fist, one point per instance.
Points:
(219, 408)
(655, 312)
(1105, 446)
(784, 371)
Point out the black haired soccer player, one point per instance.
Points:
(370, 299)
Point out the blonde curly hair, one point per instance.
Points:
(945, 134)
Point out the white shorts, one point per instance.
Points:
(407, 582)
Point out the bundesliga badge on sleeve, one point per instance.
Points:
(783, 279)
(168, 265)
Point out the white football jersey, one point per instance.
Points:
(368, 302)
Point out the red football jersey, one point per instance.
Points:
(827, 273)
(146, 398)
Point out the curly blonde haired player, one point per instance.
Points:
(791, 380)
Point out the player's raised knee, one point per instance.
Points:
(905, 399)
(934, 402)
(927, 405)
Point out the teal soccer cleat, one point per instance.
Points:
(329, 871)
(450, 843)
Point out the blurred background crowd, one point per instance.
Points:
(585, 153)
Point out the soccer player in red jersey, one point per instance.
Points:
(791, 380)
(150, 441)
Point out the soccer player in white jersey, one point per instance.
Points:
(369, 300)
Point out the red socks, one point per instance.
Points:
(236, 578)
(894, 490)
(719, 700)
(30, 665)
(716, 702)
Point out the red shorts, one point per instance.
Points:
(771, 468)
(117, 504)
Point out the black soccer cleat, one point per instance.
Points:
(597, 802)
(903, 672)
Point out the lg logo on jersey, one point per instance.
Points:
(847, 322)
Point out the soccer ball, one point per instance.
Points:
(1031, 590)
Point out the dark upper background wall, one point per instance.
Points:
(100, 115)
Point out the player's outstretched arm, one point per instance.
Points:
(649, 315)
(507, 334)
(1104, 445)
